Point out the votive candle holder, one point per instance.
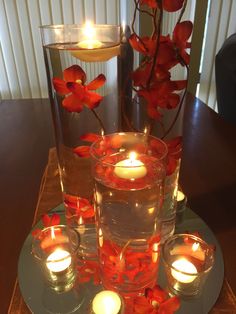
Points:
(55, 250)
(188, 261)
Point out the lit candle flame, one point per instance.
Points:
(132, 156)
(88, 30)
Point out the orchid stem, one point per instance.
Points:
(99, 121)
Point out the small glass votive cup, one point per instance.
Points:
(187, 262)
(181, 201)
(55, 250)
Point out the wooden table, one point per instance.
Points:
(208, 177)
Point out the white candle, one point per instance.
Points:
(183, 265)
(58, 261)
(106, 302)
(92, 49)
(180, 196)
(131, 168)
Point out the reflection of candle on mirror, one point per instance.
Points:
(106, 302)
(58, 261)
(89, 42)
(131, 168)
(184, 266)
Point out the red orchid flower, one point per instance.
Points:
(151, 3)
(77, 93)
(172, 5)
(145, 45)
(168, 5)
(181, 34)
(82, 206)
(83, 151)
(162, 96)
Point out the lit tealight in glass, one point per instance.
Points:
(130, 168)
(183, 268)
(58, 261)
(106, 302)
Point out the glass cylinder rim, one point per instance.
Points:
(78, 26)
(44, 230)
(182, 235)
(123, 133)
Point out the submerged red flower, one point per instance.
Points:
(48, 221)
(77, 93)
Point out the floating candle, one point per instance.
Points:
(58, 261)
(182, 267)
(131, 168)
(89, 42)
(106, 302)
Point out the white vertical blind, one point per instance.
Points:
(22, 71)
(221, 24)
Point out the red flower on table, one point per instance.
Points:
(77, 93)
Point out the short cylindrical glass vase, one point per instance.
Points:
(188, 261)
(129, 173)
(82, 73)
(55, 250)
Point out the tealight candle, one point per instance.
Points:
(106, 302)
(183, 265)
(131, 168)
(180, 196)
(58, 261)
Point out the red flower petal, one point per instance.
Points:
(90, 137)
(46, 220)
(153, 113)
(82, 151)
(72, 103)
(74, 73)
(150, 3)
(178, 85)
(173, 101)
(169, 306)
(172, 5)
(92, 100)
(97, 82)
(60, 86)
(55, 219)
(137, 44)
(182, 32)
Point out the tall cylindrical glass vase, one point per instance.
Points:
(82, 72)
